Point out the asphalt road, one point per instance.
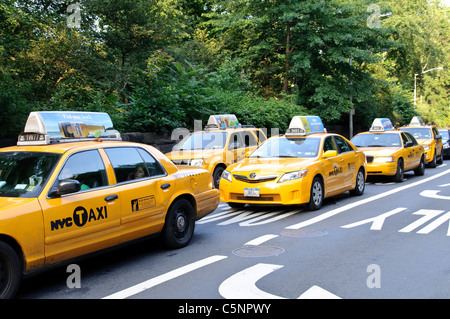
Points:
(392, 242)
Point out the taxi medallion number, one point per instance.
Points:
(251, 192)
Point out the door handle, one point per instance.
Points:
(111, 197)
(165, 186)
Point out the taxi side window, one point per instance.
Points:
(86, 167)
(260, 135)
(235, 141)
(328, 145)
(342, 145)
(249, 139)
(410, 138)
(127, 163)
(153, 166)
(435, 132)
(405, 139)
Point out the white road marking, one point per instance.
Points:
(260, 240)
(242, 285)
(164, 277)
(315, 292)
(433, 194)
(428, 214)
(377, 222)
(363, 201)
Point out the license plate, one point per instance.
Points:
(251, 192)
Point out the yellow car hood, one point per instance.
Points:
(16, 206)
(380, 151)
(269, 166)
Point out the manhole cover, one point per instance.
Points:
(258, 251)
(302, 233)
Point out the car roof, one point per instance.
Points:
(64, 147)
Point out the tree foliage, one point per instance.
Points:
(155, 65)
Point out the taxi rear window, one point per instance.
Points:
(203, 141)
(24, 174)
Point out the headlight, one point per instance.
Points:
(226, 175)
(384, 159)
(446, 145)
(293, 175)
(196, 162)
(426, 147)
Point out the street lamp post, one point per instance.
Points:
(415, 81)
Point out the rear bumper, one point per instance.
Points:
(207, 202)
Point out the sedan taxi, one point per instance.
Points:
(223, 142)
(304, 166)
(390, 152)
(72, 187)
(429, 137)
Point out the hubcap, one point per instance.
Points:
(317, 193)
(360, 181)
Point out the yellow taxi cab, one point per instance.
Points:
(223, 142)
(304, 166)
(390, 152)
(72, 187)
(429, 137)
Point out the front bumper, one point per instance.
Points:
(287, 193)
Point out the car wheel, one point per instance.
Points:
(10, 272)
(217, 175)
(441, 159)
(360, 184)
(317, 193)
(420, 170)
(432, 164)
(400, 174)
(179, 226)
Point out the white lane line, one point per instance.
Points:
(164, 277)
(260, 240)
(363, 201)
(242, 285)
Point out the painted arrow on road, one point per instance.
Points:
(242, 285)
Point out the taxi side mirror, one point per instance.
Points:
(329, 154)
(438, 137)
(409, 144)
(67, 186)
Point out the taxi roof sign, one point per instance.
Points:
(49, 127)
(222, 121)
(305, 125)
(381, 125)
(416, 121)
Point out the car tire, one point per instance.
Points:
(432, 164)
(217, 175)
(420, 170)
(10, 271)
(400, 174)
(180, 223)
(360, 184)
(441, 159)
(316, 194)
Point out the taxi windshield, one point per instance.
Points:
(24, 174)
(377, 140)
(419, 132)
(203, 141)
(288, 147)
